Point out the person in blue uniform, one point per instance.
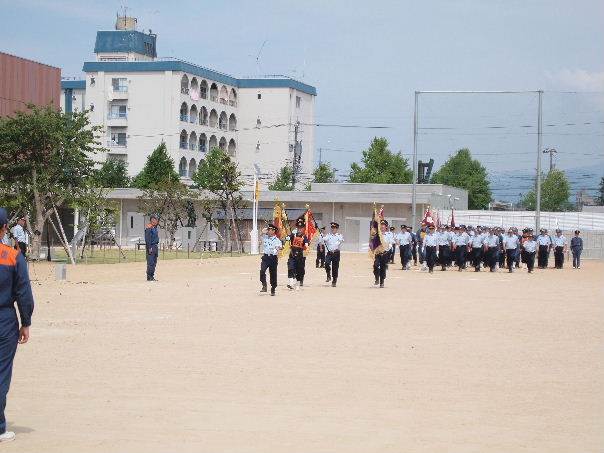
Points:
(510, 245)
(392, 247)
(413, 245)
(381, 260)
(491, 247)
(403, 240)
(320, 261)
(14, 287)
(430, 246)
(529, 249)
(271, 245)
(333, 241)
(576, 246)
(544, 242)
(559, 245)
(152, 247)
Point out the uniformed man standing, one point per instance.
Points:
(544, 242)
(333, 241)
(529, 248)
(477, 245)
(461, 243)
(510, 244)
(296, 264)
(491, 245)
(14, 287)
(380, 261)
(271, 245)
(152, 247)
(576, 246)
(403, 239)
(320, 261)
(444, 247)
(21, 236)
(559, 244)
(429, 245)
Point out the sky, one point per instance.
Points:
(368, 58)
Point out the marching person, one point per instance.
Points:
(559, 244)
(403, 239)
(450, 234)
(510, 244)
(442, 240)
(393, 246)
(333, 241)
(152, 247)
(413, 245)
(271, 245)
(476, 246)
(491, 245)
(429, 246)
(380, 261)
(576, 246)
(320, 261)
(296, 263)
(501, 251)
(529, 249)
(21, 236)
(14, 287)
(517, 257)
(544, 241)
(462, 240)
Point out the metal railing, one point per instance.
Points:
(184, 118)
(117, 116)
(114, 144)
(120, 88)
(202, 148)
(192, 146)
(213, 98)
(233, 103)
(183, 145)
(184, 90)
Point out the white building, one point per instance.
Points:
(141, 100)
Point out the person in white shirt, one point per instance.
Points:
(320, 261)
(491, 245)
(380, 262)
(404, 239)
(429, 247)
(21, 236)
(462, 240)
(529, 249)
(333, 241)
(271, 245)
(510, 244)
(476, 245)
(544, 242)
(442, 240)
(559, 244)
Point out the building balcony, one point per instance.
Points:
(184, 90)
(183, 145)
(119, 92)
(184, 118)
(213, 98)
(202, 148)
(233, 104)
(117, 147)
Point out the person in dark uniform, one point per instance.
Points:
(559, 245)
(271, 245)
(152, 247)
(296, 263)
(413, 245)
(544, 242)
(529, 249)
(576, 246)
(14, 287)
(430, 247)
(320, 261)
(333, 241)
(393, 247)
(381, 260)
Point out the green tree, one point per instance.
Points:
(158, 169)
(460, 170)
(112, 173)
(219, 174)
(601, 190)
(555, 192)
(324, 172)
(46, 162)
(380, 165)
(284, 180)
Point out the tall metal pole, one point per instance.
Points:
(414, 188)
(538, 182)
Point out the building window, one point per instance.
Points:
(117, 139)
(258, 122)
(298, 101)
(259, 96)
(117, 111)
(120, 84)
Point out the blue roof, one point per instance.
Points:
(125, 41)
(73, 84)
(183, 66)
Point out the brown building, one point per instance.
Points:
(24, 81)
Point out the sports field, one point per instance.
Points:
(201, 361)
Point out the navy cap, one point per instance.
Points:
(3, 217)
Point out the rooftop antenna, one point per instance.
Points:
(258, 57)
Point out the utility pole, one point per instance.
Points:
(414, 187)
(551, 152)
(297, 153)
(320, 151)
(538, 181)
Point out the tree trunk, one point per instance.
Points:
(235, 227)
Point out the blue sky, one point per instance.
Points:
(366, 60)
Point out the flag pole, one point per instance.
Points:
(254, 232)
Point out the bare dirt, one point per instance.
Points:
(200, 361)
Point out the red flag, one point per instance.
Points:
(428, 219)
(311, 225)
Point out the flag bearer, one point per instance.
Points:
(559, 244)
(511, 245)
(297, 261)
(380, 261)
(333, 241)
(271, 245)
(403, 239)
(429, 246)
(491, 245)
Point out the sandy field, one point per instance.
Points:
(202, 362)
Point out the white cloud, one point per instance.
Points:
(578, 79)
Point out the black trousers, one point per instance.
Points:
(510, 256)
(269, 262)
(430, 257)
(443, 255)
(491, 257)
(529, 259)
(320, 261)
(380, 265)
(414, 253)
(296, 266)
(559, 257)
(502, 257)
(152, 254)
(332, 265)
(405, 251)
(392, 253)
(22, 246)
(543, 256)
(460, 259)
(476, 257)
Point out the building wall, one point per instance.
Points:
(24, 81)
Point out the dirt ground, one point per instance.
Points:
(201, 361)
